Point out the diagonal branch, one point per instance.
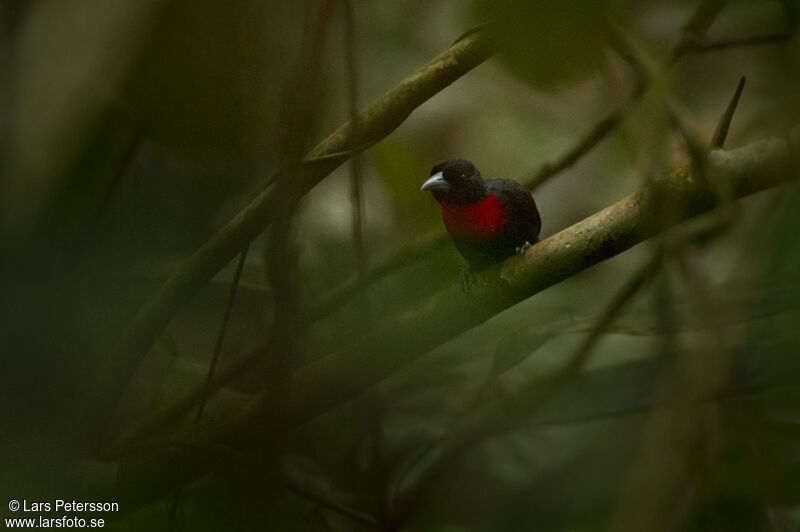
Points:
(402, 339)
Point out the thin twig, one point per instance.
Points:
(757, 40)
(721, 132)
(589, 140)
(699, 152)
(695, 29)
(356, 192)
(207, 387)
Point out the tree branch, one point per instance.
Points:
(402, 339)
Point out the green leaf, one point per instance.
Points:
(548, 43)
(209, 75)
(515, 348)
(167, 344)
(402, 169)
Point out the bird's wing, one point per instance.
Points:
(520, 206)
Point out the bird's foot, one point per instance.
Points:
(523, 248)
(467, 280)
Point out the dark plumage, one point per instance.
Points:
(488, 219)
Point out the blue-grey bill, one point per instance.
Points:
(435, 182)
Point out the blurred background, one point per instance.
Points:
(131, 132)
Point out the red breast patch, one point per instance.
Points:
(477, 221)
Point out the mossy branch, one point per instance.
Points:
(403, 338)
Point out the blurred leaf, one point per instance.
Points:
(208, 79)
(304, 473)
(548, 43)
(741, 300)
(252, 278)
(402, 170)
(515, 348)
(65, 70)
(167, 344)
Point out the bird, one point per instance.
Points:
(488, 220)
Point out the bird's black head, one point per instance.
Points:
(456, 181)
